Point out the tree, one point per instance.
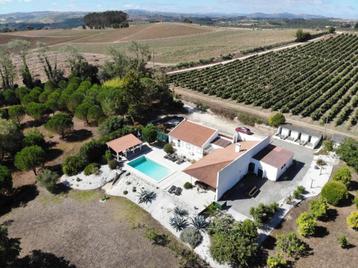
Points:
(92, 152)
(74, 101)
(118, 66)
(73, 165)
(48, 179)
(348, 152)
(331, 30)
(53, 73)
(334, 192)
(34, 137)
(236, 245)
(344, 175)
(111, 124)
(7, 69)
(276, 119)
(306, 224)
(17, 113)
(99, 20)
(352, 220)
(9, 248)
(319, 208)
(5, 180)
(302, 36)
(36, 110)
(149, 133)
(60, 123)
(328, 145)
(10, 138)
(141, 54)
(30, 158)
(82, 111)
(291, 245)
(262, 213)
(52, 101)
(94, 114)
(21, 48)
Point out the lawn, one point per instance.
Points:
(88, 233)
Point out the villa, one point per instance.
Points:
(191, 139)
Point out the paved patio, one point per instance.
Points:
(270, 192)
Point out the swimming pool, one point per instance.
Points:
(150, 168)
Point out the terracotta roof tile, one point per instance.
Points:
(124, 143)
(207, 168)
(274, 156)
(192, 133)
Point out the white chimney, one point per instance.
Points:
(237, 147)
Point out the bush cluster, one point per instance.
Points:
(334, 192)
(262, 214)
(192, 236)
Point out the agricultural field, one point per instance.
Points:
(318, 81)
(170, 42)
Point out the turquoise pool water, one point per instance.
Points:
(150, 168)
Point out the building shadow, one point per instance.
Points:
(78, 135)
(19, 198)
(292, 171)
(145, 150)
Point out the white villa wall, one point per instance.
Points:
(304, 137)
(315, 140)
(283, 169)
(235, 171)
(285, 131)
(270, 172)
(295, 134)
(188, 150)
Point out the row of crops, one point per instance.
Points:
(317, 80)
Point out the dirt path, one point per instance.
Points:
(245, 57)
(194, 96)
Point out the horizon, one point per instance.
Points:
(345, 9)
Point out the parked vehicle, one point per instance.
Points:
(244, 130)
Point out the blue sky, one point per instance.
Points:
(334, 8)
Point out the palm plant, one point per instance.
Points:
(146, 196)
(180, 212)
(178, 223)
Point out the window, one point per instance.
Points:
(283, 166)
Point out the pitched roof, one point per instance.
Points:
(124, 143)
(192, 133)
(302, 130)
(207, 168)
(274, 156)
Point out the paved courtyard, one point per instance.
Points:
(238, 198)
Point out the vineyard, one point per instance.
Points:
(317, 80)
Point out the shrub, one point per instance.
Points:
(306, 224)
(352, 220)
(168, 148)
(112, 164)
(90, 169)
(188, 185)
(343, 241)
(221, 223)
(92, 152)
(291, 245)
(276, 261)
(157, 239)
(328, 145)
(192, 236)
(276, 119)
(48, 179)
(355, 201)
(263, 213)
(343, 174)
(319, 208)
(298, 193)
(73, 165)
(334, 192)
(348, 152)
(199, 222)
(5, 179)
(125, 192)
(149, 133)
(249, 119)
(180, 212)
(178, 223)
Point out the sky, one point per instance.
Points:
(331, 8)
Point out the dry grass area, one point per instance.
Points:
(171, 42)
(59, 150)
(88, 233)
(325, 249)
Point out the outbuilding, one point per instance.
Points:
(125, 145)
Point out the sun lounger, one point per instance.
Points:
(178, 191)
(172, 189)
